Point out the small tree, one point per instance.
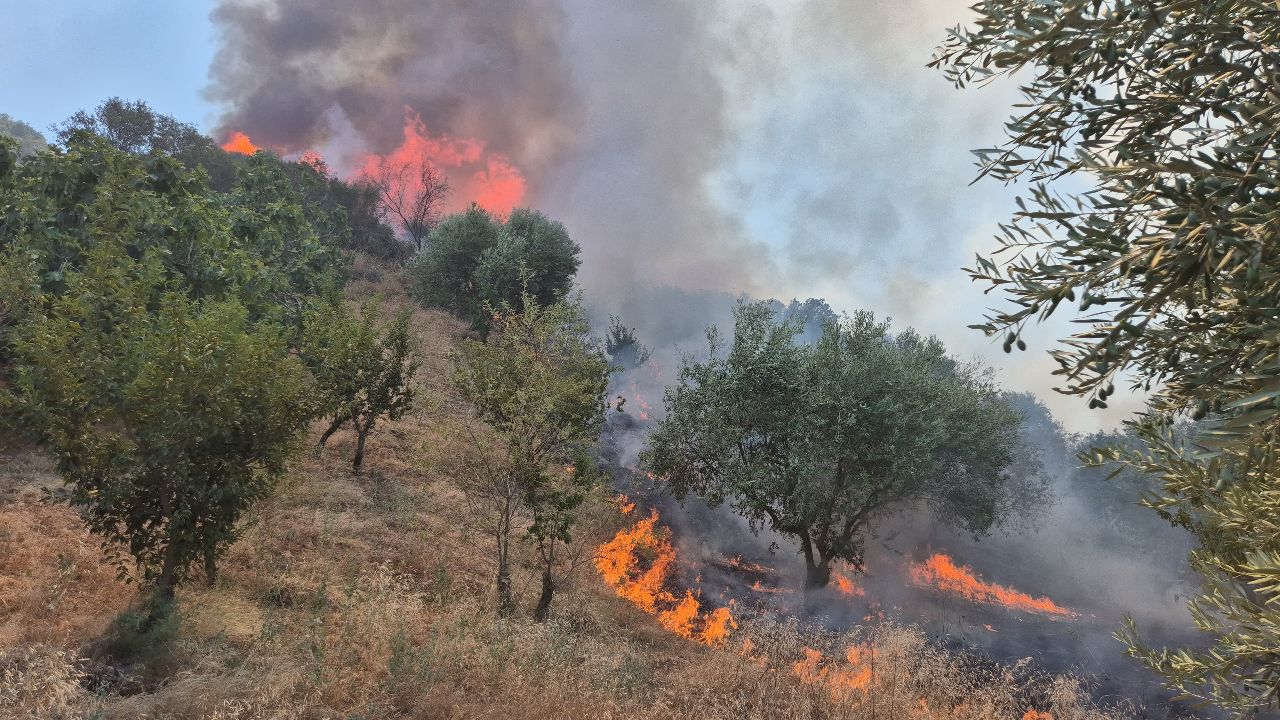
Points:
(476, 261)
(540, 383)
(363, 372)
(167, 416)
(819, 441)
(623, 347)
(411, 191)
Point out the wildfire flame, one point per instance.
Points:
(474, 174)
(239, 143)
(846, 586)
(638, 564)
(841, 680)
(942, 572)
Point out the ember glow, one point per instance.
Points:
(474, 173)
(941, 572)
(239, 143)
(846, 585)
(639, 563)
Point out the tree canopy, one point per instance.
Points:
(541, 383)
(1148, 136)
(474, 261)
(143, 343)
(819, 441)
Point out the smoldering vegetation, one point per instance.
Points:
(1078, 538)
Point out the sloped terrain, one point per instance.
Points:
(371, 596)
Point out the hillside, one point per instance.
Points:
(371, 596)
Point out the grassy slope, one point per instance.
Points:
(366, 597)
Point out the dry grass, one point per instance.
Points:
(366, 597)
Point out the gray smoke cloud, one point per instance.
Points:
(778, 149)
(295, 73)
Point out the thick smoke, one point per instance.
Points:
(298, 74)
(703, 150)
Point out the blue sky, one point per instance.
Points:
(60, 56)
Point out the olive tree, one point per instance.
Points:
(540, 382)
(476, 261)
(1148, 138)
(818, 442)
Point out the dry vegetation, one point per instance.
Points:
(366, 597)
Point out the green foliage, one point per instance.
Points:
(60, 205)
(442, 275)
(540, 382)
(29, 140)
(819, 441)
(534, 255)
(134, 127)
(1166, 112)
(270, 220)
(474, 261)
(167, 416)
(623, 347)
(363, 371)
(139, 340)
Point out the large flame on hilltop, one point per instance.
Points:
(638, 563)
(942, 572)
(474, 174)
(239, 143)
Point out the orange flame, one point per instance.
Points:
(622, 563)
(1036, 715)
(239, 143)
(475, 175)
(846, 586)
(841, 680)
(942, 572)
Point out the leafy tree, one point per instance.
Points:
(1163, 115)
(475, 261)
(59, 206)
(534, 254)
(819, 441)
(362, 372)
(134, 127)
(271, 221)
(442, 275)
(540, 383)
(622, 346)
(168, 416)
(29, 139)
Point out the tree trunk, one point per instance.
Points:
(816, 575)
(548, 594)
(338, 422)
(162, 600)
(506, 603)
(361, 434)
(817, 570)
(211, 564)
